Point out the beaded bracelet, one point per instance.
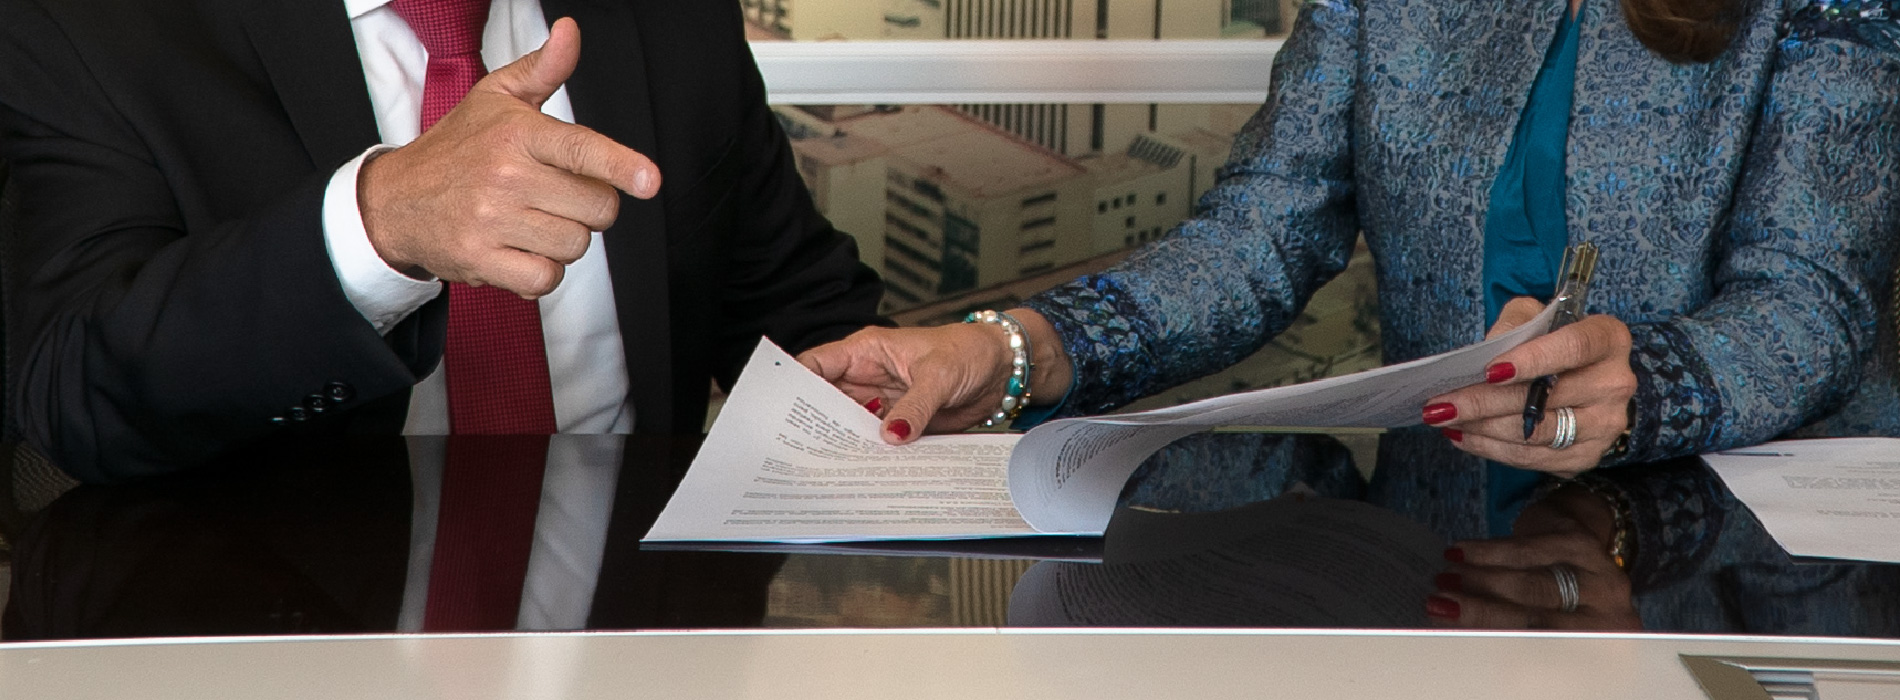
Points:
(1016, 392)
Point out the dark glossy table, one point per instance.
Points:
(330, 537)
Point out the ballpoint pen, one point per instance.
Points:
(1573, 285)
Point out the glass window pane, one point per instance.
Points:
(883, 20)
(965, 207)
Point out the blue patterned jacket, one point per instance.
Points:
(1747, 210)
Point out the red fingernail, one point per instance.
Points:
(1453, 434)
(1445, 608)
(1448, 581)
(1455, 555)
(1440, 412)
(900, 428)
(873, 405)
(1500, 373)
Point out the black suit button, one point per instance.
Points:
(297, 414)
(339, 392)
(316, 403)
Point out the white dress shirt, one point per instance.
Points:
(585, 357)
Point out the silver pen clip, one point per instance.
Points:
(1573, 284)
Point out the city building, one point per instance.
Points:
(943, 204)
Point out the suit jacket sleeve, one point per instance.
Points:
(1277, 225)
(1808, 251)
(789, 275)
(144, 332)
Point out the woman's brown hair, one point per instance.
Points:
(1683, 31)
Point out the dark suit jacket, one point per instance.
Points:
(168, 289)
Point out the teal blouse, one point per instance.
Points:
(1525, 228)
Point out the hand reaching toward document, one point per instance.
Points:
(497, 193)
(942, 379)
(1591, 359)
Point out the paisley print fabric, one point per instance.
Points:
(1746, 208)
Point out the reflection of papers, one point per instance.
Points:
(1287, 562)
(1821, 498)
(792, 459)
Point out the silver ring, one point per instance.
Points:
(1566, 429)
(1567, 591)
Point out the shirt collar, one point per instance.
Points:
(358, 8)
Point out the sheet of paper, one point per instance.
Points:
(1067, 473)
(792, 459)
(1835, 498)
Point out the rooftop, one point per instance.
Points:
(967, 156)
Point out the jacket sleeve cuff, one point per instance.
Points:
(1677, 512)
(384, 296)
(1106, 343)
(1678, 408)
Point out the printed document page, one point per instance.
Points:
(1835, 498)
(792, 459)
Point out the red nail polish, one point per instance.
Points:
(874, 404)
(1455, 555)
(1440, 412)
(900, 428)
(1445, 608)
(1453, 434)
(1500, 373)
(1449, 581)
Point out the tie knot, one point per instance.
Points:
(445, 27)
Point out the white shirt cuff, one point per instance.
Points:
(384, 296)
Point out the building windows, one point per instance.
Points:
(1039, 199)
(1039, 223)
(912, 254)
(907, 227)
(928, 189)
(900, 271)
(915, 209)
(1037, 245)
(1161, 199)
(1101, 207)
(1129, 223)
(1034, 269)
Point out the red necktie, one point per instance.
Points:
(497, 370)
(491, 492)
(496, 362)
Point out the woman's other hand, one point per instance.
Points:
(941, 379)
(1512, 583)
(1591, 359)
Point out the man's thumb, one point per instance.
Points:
(534, 78)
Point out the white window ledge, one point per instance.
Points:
(1233, 71)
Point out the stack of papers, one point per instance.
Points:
(792, 459)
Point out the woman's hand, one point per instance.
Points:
(942, 379)
(1591, 359)
(1510, 583)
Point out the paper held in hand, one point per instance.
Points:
(792, 459)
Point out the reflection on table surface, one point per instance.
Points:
(1254, 530)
